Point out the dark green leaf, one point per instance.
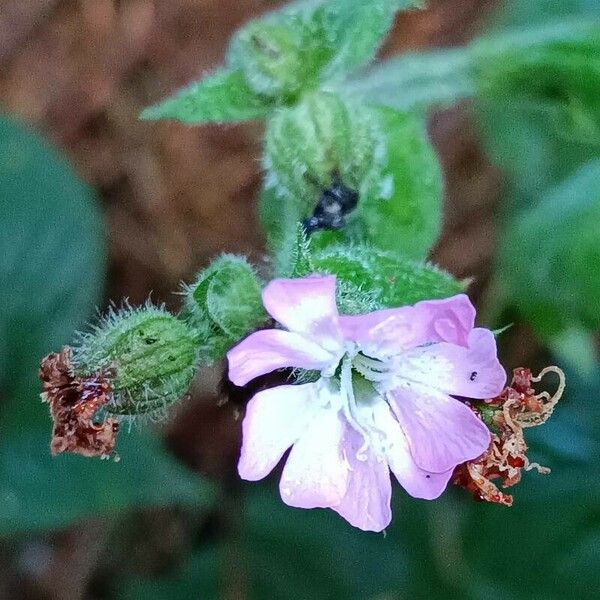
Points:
(416, 80)
(39, 491)
(51, 262)
(550, 255)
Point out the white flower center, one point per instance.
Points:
(358, 397)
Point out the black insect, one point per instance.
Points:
(335, 202)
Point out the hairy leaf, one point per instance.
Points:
(222, 97)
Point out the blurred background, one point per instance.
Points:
(98, 206)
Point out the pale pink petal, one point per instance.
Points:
(442, 432)
(383, 332)
(316, 472)
(270, 349)
(446, 320)
(390, 331)
(306, 306)
(275, 419)
(417, 482)
(366, 504)
(473, 372)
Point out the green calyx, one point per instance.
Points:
(321, 142)
(279, 60)
(224, 305)
(322, 137)
(149, 354)
(381, 155)
(370, 279)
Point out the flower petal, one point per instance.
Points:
(270, 349)
(442, 432)
(306, 306)
(473, 372)
(366, 504)
(390, 331)
(446, 320)
(316, 471)
(275, 419)
(416, 481)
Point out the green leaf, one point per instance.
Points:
(51, 263)
(356, 29)
(549, 256)
(553, 70)
(39, 491)
(416, 80)
(222, 97)
(51, 275)
(406, 221)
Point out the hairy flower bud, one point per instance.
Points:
(321, 138)
(369, 279)
(271, 59)
(149, 353)
(224, 304)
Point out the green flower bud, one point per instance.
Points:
(323, 136)
(280, 57)
(149, 353)
(391, 280)
(321, 144)
(224, 304)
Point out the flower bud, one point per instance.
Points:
(322, 138)
(224, 304)
(149, 354)
(383, 278)
(275, 59)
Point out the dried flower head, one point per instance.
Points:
(74, 404)
(510, 413)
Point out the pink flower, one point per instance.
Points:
(384, 400)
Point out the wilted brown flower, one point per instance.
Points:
(74, 402)
(517, 408)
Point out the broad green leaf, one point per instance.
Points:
(408, 220)
(51, 263)
(39, 491)
(416, 80)
(51, 275)
(553, 70)
(537, 105)
(221, 97)
(550, 253)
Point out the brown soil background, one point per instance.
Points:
(174, 196)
